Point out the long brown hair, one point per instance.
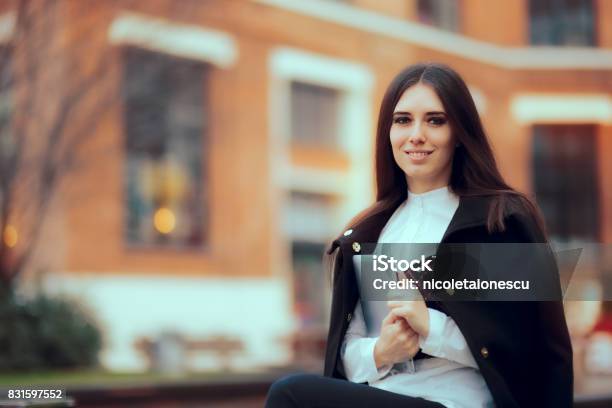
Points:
(474, 170)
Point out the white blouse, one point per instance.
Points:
(451, 377)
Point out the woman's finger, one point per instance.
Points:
(406, 327)
(392, 304)
(390, 319)
(403, 312)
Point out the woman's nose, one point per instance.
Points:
(416, 135)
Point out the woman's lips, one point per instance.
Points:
(418, 156)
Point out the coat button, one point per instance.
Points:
(348, 232)
(356, 247)
(349, 317)
(484, 352)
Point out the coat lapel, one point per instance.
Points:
(369, 230)
(472, 211)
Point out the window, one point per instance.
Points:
(309, 223)
(310, 216)
(309, 281)
(565, 180)
(561, 22)
(165, 118)
(442, 14)
(314, 115)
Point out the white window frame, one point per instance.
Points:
(562, 108)
(182, 40)
(355, 81)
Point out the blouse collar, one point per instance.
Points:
(437, 196)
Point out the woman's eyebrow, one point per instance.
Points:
(427, 113)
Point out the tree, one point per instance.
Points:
(53, 93)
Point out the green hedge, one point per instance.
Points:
(46, 333)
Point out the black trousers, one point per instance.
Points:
(316, 391)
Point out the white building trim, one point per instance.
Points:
(318, 181)
(562, 108)
(129, 306)
(319, 69)
(547, 58)
(182, 40)
(7, 27)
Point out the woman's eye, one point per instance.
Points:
(401, 119)
(437, 121)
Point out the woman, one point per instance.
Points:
(437, 182)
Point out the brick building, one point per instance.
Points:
(236, 126)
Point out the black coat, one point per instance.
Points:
(523, 348)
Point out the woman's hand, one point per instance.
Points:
(397, 342)
(415, 312)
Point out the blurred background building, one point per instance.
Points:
(184, 163)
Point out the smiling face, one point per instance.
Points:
(421, 139)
